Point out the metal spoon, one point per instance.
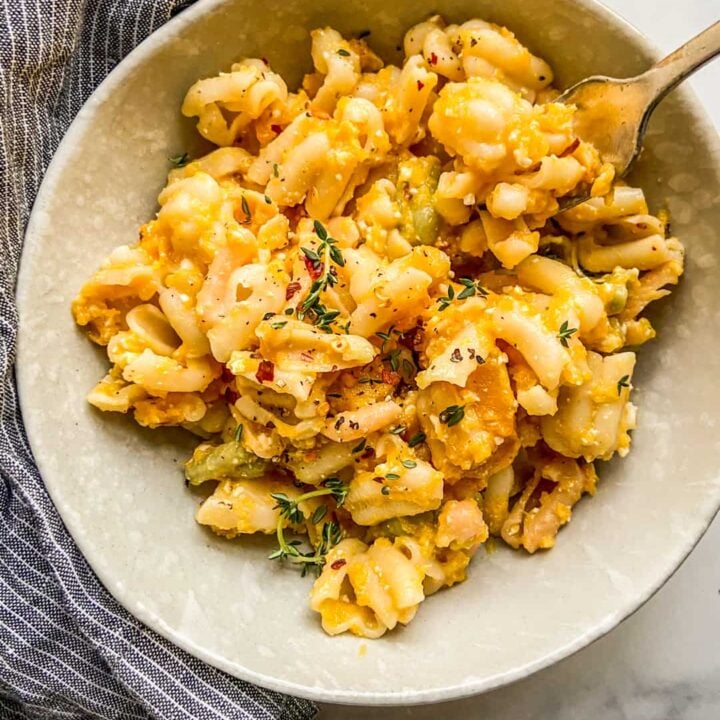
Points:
(613, 114)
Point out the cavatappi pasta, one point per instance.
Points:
(366, 303)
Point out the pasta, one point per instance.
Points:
(367, 304)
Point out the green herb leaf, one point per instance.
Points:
(409, 464)
(278, 325)
(466, 293)
(394, 358)
(276, 171)
(566, 333)
(319, 514)
(392, 476)
(623, 382)
(179, 160)
(310, 254)
(320, 230)
(343, 52)
(360, 446)
(415, 440)
(288, 508)
(238, 433)
(331, 536)
(452, 415)
(337, 488)
(445, 302)
(336, 256)
(246, 208)
(385, 490)
(470, 289)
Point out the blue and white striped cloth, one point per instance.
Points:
(67, 650)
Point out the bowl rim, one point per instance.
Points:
(166, 33)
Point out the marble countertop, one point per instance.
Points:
(662, 663)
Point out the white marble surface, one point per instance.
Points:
(663, 663)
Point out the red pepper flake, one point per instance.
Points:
(379, 479)
(412, 339)
(433, 58)
(266, 372)
(390, 377)
(277, 129)
(314, 268)
(338, 563)
(292, 289)
(228, 379)
(420, 84)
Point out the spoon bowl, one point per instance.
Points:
(613, 113)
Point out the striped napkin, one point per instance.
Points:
(67, 649)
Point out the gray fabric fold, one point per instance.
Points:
(67, 649)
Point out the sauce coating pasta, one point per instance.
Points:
(368, 306)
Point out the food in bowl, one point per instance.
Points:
(368, 305)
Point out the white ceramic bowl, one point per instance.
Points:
(120, 491)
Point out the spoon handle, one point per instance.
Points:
(673, 69)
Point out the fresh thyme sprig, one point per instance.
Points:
(445, 302)
(565, 333)
(319, 262)
(470, 289)
(290, 510)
